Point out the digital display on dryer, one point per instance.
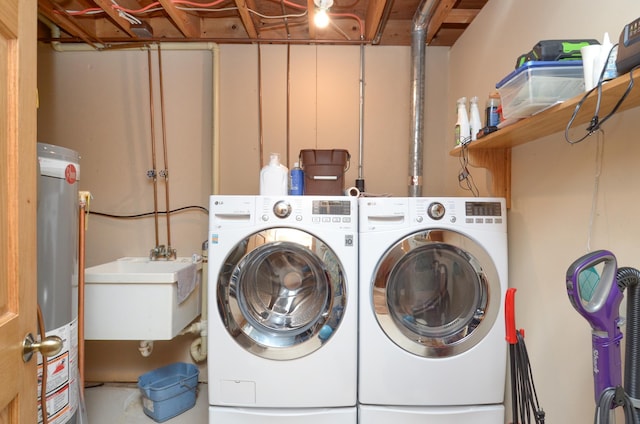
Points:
(331, 207)
(483, 209)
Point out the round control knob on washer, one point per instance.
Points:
(282, 209)
(436, 210)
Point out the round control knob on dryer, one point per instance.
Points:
(436, 210)
(282, 209)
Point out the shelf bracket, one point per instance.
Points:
(497, 162)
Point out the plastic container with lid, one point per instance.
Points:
(324, 171)
(536, 85)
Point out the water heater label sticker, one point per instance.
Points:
(70, 173)
(61, 377)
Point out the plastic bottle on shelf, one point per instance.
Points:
(492, 118)
(475, 123)
(462, 129)
(606, 60)
(296, 180)
(274, 177)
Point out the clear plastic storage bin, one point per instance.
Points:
(537, 85)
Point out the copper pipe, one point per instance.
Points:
(81, 248)
(260, 130)
(45, 373)
(112, 43)
(153, 147)
(288, 105)
(166, 156)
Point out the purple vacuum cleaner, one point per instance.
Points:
(595, 291)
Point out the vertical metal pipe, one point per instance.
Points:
(418, 51)
(153, 147)
(360, 179)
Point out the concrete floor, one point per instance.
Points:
(122, 404)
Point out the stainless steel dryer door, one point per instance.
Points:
(436, 293)
(281, 293)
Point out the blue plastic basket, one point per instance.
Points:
(169, 391)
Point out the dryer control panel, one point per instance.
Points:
(327, 212)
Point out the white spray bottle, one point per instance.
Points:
(475, 123)
(462, 130)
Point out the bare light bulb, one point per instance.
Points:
(321, 18)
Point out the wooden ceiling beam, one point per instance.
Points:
(373, 20)
(119, 21)
(311, 14)
(189, 25)
(245, 17)
(439, 16)
(56, 14)
(461, 16)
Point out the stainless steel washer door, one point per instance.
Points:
(436, 293)
(281, 293)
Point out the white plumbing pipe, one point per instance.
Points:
(146, 347)
(199, 347)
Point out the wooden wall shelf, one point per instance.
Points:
(493, 152)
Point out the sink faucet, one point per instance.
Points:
(162, 251)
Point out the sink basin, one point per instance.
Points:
(134, 298)
(138, 270)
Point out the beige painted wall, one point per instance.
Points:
(323, 112)
(98, 104)
(553, 190)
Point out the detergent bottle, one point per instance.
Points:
(462, 130)
(474, 122)
(274, 177)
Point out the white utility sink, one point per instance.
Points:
(135, 298)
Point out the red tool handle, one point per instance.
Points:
(510, 316)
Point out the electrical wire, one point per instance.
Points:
(465, 179)
(596, 185)
(128, 14)
(147, 214)
(612, 398)
(596, 122)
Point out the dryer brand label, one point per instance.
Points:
(214, 238)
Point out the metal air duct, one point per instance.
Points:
(418, 46)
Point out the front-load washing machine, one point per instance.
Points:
(283, 309)
(433, 273)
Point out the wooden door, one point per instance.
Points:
(18, 208)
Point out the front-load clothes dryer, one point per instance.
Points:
(283, 309)
(433, 273)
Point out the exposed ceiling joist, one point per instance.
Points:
(189, 25)
(384, 22)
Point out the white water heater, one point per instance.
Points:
(58, 206)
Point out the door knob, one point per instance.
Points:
(50, 346)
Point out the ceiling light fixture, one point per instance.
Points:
(321, 17)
